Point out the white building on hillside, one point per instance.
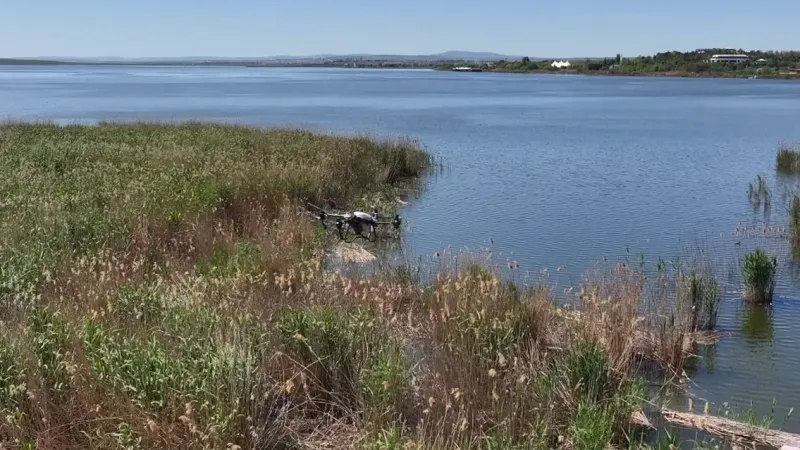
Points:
(560, 64)
(729, 59)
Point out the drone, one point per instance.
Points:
(357, 224)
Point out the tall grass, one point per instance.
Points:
(159, 290)
(759, 276)
(787, 159)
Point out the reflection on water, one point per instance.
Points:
(708, 354)
(757, 324)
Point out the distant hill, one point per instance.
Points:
(463, 55)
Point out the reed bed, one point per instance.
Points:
(759, 272)
(788, 159)
(159, 290)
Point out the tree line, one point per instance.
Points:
(760, 62)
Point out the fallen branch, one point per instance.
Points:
(732, 430)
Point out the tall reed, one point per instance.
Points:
(759, 272)
(794, 225)
(701, 292)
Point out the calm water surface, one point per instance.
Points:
(548, 171)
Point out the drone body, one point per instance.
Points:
(361, 224)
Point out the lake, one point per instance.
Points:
(553, 172)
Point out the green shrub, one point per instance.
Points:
(759, 276)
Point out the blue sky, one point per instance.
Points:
(547, 28)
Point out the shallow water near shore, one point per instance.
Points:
(552, 172)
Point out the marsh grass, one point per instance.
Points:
(759, 273)
(159, 290)
(788, 159)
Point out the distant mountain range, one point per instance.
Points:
(453, 55)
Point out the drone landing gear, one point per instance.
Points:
(357, 229)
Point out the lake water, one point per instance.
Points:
(546, 170)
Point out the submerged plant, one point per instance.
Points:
(759, 276)
(759, 193)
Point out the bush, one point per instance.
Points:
(759, 276)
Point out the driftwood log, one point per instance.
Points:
(732, 430)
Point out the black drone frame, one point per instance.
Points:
(357, 224)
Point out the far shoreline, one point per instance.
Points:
(436, 67)
(673, 74)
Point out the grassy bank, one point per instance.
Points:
(159, 290)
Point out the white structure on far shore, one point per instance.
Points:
(560, 64)
(729, 59)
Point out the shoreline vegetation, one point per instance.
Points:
(691, 64)
(160, 289)
(695, 64)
